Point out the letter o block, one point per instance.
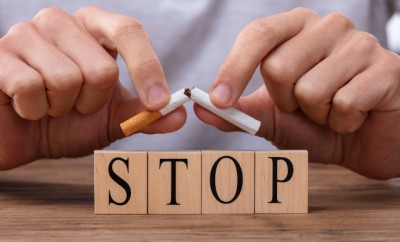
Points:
(227, 182)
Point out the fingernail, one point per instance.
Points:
(156, 95)
(222, 93)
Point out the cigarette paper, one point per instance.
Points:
(232, 115)
(144, 118)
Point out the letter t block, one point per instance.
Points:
(174, 182)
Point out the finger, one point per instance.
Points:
(62, 78)
(285, 130)
(373, 90)
(24, 86)
(285, 65)
(254, 105)
(168, 123)
(124, 106)
(213, 120)
(253, 43)
(315, 89)
(128, 36)
(98, 68)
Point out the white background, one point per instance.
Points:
(394, 33)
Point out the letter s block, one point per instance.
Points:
(281, 182)
(120, 179)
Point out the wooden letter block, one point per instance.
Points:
(174, 185)
(228, 182)
(120, 180)
(281, 182)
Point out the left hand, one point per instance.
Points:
(329, 88)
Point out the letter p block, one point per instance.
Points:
(281, 182)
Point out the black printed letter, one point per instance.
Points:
(239, 180)
(275, 179)
(173, 177)
(119, 181)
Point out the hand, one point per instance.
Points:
(329, 88)
(60, 94)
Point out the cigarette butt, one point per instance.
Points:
(139, 121)
(144, 118)
(232, 115)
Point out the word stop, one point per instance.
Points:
(200, 182)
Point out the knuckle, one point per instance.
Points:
(304, 11)
(258, 29)
(65, 81)
(364, 42)
(87, 9)
(104, 74)
(146, 60)
(339, 20)
(49, 12)
(19, 30)
(52, 18)
(306, 94)
(343, 104)
(26, 86)
(31, 114)
(273, 69)
(126, 26)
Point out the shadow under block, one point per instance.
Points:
(120, 182)
(174, 184)
(281, 182)
(227, 182)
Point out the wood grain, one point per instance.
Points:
(134, 173)
(187, 196)
(226, 180)
(53, 199)
(290, 196)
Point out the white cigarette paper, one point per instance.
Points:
(177, 99)
(144, 118)
(232, 115)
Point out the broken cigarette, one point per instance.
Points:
(144, 118)
(232, 115)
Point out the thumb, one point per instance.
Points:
(124, 105)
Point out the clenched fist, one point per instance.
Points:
(329, 88)
(59, 89)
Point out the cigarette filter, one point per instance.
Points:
(144, 118)
(232, 115)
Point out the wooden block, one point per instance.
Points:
(227, 182)
(120, 182)
(281, 182)
(174, 185)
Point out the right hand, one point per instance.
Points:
(59, 89)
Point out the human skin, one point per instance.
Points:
(328, 88)
(60, 95)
